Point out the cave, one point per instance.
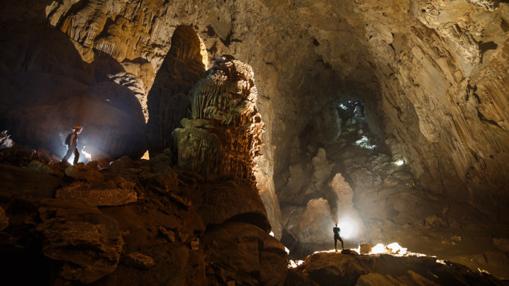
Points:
(235, 142)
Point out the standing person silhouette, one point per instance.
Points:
(337, 237)
(72, 145)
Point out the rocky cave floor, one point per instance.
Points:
(143, 222)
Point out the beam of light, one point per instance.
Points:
(86, 154)
(349, 227)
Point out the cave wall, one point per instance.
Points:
(441, 71)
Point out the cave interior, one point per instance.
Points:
(223, 140)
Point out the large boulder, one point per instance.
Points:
(87, 243)
(28, 182)
(246, 254)
(220, 202)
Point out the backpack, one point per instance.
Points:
(68, 139)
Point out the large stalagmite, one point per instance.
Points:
(223, 136)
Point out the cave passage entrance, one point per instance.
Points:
(353, 124)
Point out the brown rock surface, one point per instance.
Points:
(160, 239)
(219, 203)
(339, 269)
(97, 197)
(95, 239)
(238, 250)
(84, 173)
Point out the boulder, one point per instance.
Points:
(246, 254)
(24, 181)
(218, 203)
(84, 172)
(39, 166)
(86, 242)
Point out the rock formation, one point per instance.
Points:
(180, 230)
(169, 100)
(223, 136)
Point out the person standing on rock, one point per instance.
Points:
(72, 145)
(337, 237)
